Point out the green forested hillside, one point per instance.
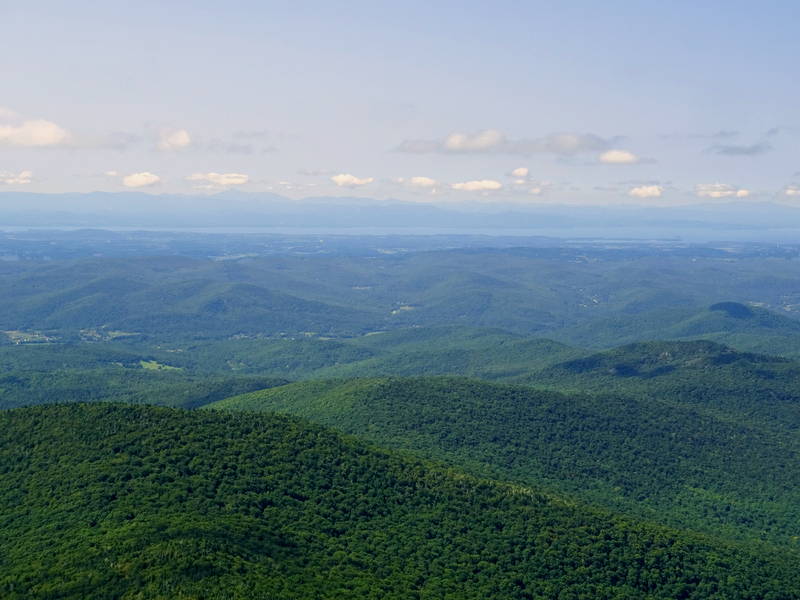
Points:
(294, 358)
(36, 373)
(109, 501)
(454, 350)
(203, 372)
(593, 304)
(716, 471)
(458, 349)
(451, 350)
(749, 326)
(162, 297)
(29, 388)
(80, 356)
(701, 375)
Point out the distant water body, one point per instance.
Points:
(643, 234)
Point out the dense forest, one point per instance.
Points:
(108, 501)
(714, 471)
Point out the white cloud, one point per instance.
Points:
(34, 133)
(646, 191)
(140, 179)
(18, 179)
(620, 157)
(535, 191)
(220, 179)
(347, 180)
(478, 186)
(422, 182)
(792, 190)
(494, 141)
(520, 172)
(41, 133)
(173, 139)
(719, 190)
(111, 174)
(168, 139)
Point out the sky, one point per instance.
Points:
(572, 102)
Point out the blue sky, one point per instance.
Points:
(576, 102)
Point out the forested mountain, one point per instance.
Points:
(138, 371)
(728, 471)
(110, 501)
(29, 388)
(450, 350)
(748, 327)
(703, 375)
(586, 303)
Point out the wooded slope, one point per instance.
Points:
(110, 501)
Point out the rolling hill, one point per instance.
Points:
(749, 327)
(700, 375)
(112, 501)
(719, 471)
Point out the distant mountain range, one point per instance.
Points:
(240, 209)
